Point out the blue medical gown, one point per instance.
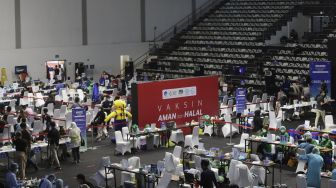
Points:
(315, 163)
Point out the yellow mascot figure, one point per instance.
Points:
(120, 115)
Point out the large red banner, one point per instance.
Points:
(179, 100)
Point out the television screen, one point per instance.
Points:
(20, 69)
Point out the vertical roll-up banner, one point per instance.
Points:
(240, 100)
(79, 117)
(320, 71)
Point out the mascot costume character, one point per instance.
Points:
(120, 115)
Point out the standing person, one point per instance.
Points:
(320, 111)
(208, 178)
(76, 104)
(257, 121)
(11, 181)
(20, 154)
(99, 121)
(120, 115)
(26, 135)
(315, 163)
(75, 137)
(53, 139)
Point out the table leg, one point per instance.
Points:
(266, 176)
(273, 175)
(114, 177)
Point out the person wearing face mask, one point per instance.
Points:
(327, 155)
(307, 136)
(283, 134)
(264, 148)
(315, 163)
(11, 180)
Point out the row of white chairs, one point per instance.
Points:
(234, 23)
(298, 58)
(245, 15)
(227, 28)
(239, 19)
(308, 45)
(245, 3)
(305, 52)
(249, 7)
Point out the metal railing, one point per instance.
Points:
(175, 29)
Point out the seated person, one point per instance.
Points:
(208, 178)
(308, 135)
(333, 175)
(264, 148)
(11, 180)
(283, 134)
(325, 142)
(307, 146)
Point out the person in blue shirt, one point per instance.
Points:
(333, 175)
(315, 163)
(307, 146)
(11, 181)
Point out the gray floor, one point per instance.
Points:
(90, 160)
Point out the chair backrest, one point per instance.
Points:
(134, 162)
(38, 126)
(12, 105)
(301, 181)
(331, 183)
(254, 99)
(272, 120)
(68, 119)
(57, 113)
(105, 161)
(225, 99)
(198, 161)
(169, 163)
(63, 110)
(243, 137)
(245, 176)
(233, 172)
(165, 180)
(50, 107)
(264, 97)
(329, 120)
(195, 131)
(254, 157)
(177, 151)
(10, 119)
(118, 137)
(125, 132)
(153, 126)
(307, 123)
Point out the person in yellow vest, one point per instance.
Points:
(120, 115)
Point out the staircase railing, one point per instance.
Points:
(175, 29)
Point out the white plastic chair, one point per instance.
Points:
(38, 126)
(50, 107)
(246, 178)
(12, 105)
(329, 122)
(177, 152)
(233, 173)
(99, 176)
(274, 122)
(39, 100)
(193, 139)
(134, 165)
(241, 144)
(5, 135)
(258, 170)
(176, 136)
(301, 163)
(208, 129)
(226, 129)
(126, 136)
(156, 136)
(331, 183)
(63, 111)
(121, 145)
(164, 180)
(68, 120)
(301, 181)
(57, 115)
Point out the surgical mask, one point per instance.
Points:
(264, 130)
